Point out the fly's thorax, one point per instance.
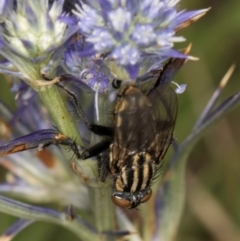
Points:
(131, 98)
(136, 173)
(133, 117)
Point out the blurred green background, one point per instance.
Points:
(212, 211)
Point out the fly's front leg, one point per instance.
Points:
(100, 130)
(96, 129)
(96, 149)
(75, 103)
(38, 139)
(99, 150)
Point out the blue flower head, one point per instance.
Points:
(128, 32)
(32, 36)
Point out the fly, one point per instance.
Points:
(134, 147)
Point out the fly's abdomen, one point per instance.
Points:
(136, 173)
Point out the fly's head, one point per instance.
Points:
(131, 200)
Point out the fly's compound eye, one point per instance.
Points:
(146, 197)
(116, 83)
(121, 202)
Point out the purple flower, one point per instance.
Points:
(130, 31)
(32, 36)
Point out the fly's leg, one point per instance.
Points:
(96, 149)
(70, 213)
(99, 149)
(103, 166)
(96, 129)
(75, 102)
(38, 139)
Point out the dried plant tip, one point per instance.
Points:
(192, 20)
(227, 76)
(187, 51)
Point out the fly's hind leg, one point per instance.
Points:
(103, 165)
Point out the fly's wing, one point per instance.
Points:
(146, 121)
(165, 106)
(165, 111)
(168, 72)
(135, 124)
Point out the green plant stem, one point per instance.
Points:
(59, 113)
(19, 209)
(173, 199)
(55, 105)
(103, 208)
